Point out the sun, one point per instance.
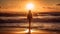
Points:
(30, 6)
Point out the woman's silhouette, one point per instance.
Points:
(29, 17)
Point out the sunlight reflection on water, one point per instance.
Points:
(39, 27)
(24, 31)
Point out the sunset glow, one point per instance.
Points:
(30, 6)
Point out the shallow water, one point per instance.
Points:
(24, 31)
(22, 27)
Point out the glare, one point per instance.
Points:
(27, 30)
(30, 6)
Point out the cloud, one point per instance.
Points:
(49, 7)
(0, 6)
(58, 4)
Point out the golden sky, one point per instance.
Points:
(20, 5)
